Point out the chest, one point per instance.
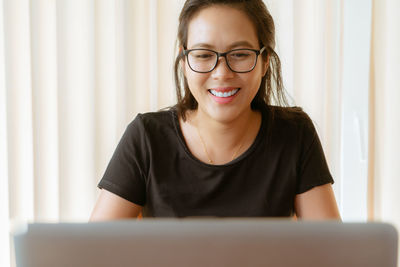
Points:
(245, 190)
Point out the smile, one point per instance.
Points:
(224, 94)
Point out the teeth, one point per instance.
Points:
(224, 94)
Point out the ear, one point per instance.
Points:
(265, 66)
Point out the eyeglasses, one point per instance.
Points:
(238, 60)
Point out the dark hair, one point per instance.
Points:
(271, 87)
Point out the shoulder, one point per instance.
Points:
(150, 121)
(156, 117)
(288, 117)
(289, 126)
(153, 126)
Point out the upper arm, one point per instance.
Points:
(111, 207)
(317, 203)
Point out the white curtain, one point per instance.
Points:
(327, 73)
(74, 73)
(385, 112)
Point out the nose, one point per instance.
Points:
(222, 70)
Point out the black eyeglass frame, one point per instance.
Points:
(258, 52)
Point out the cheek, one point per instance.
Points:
(195, 80)
(255, 78)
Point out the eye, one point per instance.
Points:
(240, 54)
(202, 55)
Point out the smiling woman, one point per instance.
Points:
(223, 150)
(74, 73)
(235, 31)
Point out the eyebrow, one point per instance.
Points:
(235, 44)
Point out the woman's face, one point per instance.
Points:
(222, 28)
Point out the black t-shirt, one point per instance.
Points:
(153, 167)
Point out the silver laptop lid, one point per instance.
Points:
(207, 242)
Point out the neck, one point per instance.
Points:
(225, 140)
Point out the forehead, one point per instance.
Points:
(220, 27)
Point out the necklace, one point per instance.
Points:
(206, 152)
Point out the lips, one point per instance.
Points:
(224, 95)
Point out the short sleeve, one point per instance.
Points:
(313, 169)
(126, 171)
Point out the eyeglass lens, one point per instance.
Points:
(242, 60)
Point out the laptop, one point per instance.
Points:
(206, 242)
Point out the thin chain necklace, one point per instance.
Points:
(206, 152)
